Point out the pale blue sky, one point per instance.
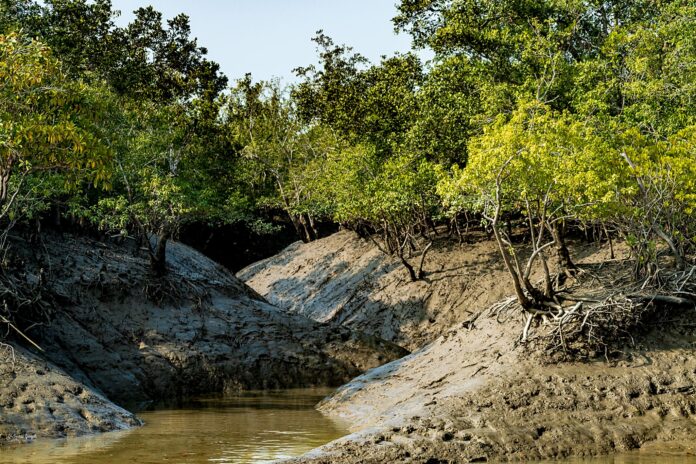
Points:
(271, 37)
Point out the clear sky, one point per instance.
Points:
(269, 38)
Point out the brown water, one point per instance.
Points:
(633, 458)
(250, 428)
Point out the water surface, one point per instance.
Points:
(254, 427)
(632, 458)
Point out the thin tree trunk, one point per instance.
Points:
(4, 187)
(313, 226)
(158, 259)
(459, 231)
(670, 243)
(466, 226)
(565, 262)
(400, 247)
(409, 268)
(517, 284)
(306, 228)
(611, 242)
(298, 226)
(421, 274)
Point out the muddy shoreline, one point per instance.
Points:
(474, 393)
(521, 409)
(469, 391)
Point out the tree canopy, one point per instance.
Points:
(550, 114)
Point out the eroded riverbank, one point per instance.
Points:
(116, 333)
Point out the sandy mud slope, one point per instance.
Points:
(39, 400)
(476, 395)
(346, 279)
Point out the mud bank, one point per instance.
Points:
(473, 396)
(475, 393)
(38, 399)
(120, 332)
(346, 280)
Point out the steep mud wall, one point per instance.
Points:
(118, 333)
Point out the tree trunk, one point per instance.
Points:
(611, 242)
(306, 234)
(313, 226)
(421, 274)
(454, 221)
(4, 186)
(565, 262)
(298, 226)
(158, 259)
(409, 268)
(503, 248)
(678, 257)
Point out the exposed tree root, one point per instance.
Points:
(590, 324)
(171, 289)
(23, 301)
(8, 355)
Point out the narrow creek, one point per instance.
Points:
(253, 427)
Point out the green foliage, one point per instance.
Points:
(400, 189)
(169, 173)
(394, 198)
(282, 155)
(373, 104)
(48, 126)
(553, 111)
(148, 58)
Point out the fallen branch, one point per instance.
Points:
(22, 334)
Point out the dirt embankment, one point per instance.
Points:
(118, 332)
(347, 280)
(476, 393)
(475, 396)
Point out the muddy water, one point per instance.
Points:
(250, 428)
(632, 458)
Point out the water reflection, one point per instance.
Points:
(633, 458)
(250, 428)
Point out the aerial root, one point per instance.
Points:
(525, 332)
(501, 307)
(21, 305)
